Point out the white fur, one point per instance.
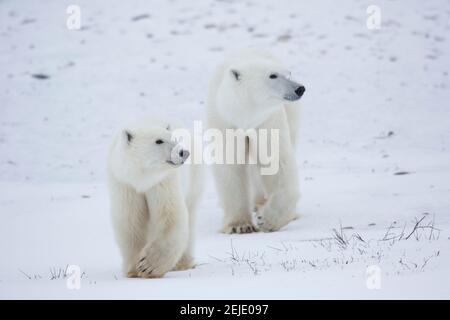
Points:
(255, 102)
(152, 215)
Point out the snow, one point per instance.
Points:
(376, 104)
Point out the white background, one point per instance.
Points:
(137, 57)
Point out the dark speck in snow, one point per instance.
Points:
(40, 76)
(402, 173)
(140, 17)
(28, 21)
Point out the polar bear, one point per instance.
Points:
(253, 90)
(152, 198)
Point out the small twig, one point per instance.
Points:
(220, 260)
(416, 226)
(26, 275)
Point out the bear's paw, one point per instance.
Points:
(240, 228)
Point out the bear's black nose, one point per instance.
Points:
(183, 154)
(300, 91)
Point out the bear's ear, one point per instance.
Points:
(168, 127)
(128, 136)
(236, 74)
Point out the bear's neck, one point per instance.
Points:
(245, 116)
(152, 180)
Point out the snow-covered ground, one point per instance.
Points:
(374, 152)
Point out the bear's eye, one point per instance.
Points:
(273, 76)
(159, 141)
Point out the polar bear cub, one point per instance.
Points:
(252, 90)
(152, 201)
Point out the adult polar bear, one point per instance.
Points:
(252, 90)
(153, 198)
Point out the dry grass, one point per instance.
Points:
(398, 250)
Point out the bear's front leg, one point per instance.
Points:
(185, 263)
(233, 190)
(282, 190)
(130, 220)
(168, 231)
(158, 258)
(164, 251)
(187, 260)
(283, 195)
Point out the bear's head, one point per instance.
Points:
(265, 82)
(255, 89)
(145, 152)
